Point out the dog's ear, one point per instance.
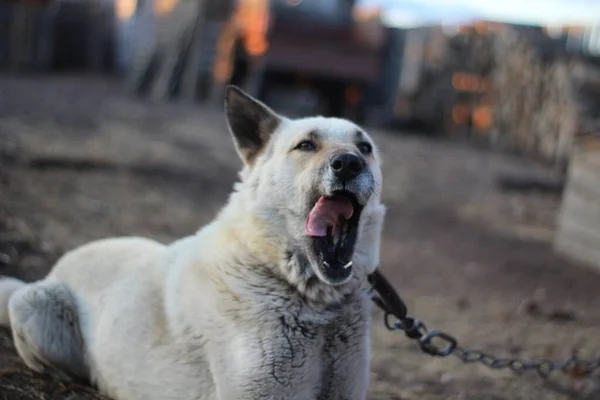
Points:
(250, 122)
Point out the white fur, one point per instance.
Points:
(7, 287)
(235, 311)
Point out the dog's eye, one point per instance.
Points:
(365, 148)
(306, 145)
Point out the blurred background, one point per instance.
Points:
(487, 114)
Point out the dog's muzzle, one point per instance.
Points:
(333, 221)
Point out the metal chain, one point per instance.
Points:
(448, 345)
(440, 344)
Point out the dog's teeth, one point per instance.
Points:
(348, 265)
(326, 264)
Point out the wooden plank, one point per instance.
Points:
(584, 178)
(583, 190)
(586, 163)
(575, 250)
(585, 234)
(581, 209)
(578, 223)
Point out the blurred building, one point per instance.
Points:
(41, 35)
(532, 89)
(511, 86)
(313, 56)
(305, 56)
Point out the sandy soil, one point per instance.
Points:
(80, 161)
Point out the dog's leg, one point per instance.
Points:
(45, 327)
(347, 357)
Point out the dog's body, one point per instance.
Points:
(250, 307)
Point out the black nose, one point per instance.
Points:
(346, 166)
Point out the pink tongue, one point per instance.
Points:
(327, 212)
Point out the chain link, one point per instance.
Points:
(440, 344)
(447, 345)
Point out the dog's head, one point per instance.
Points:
(316, 181)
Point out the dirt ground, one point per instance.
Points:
(79, 160)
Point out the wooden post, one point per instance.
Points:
(578, 230)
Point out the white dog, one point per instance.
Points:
(264, 302)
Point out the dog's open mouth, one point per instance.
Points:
(333, 226)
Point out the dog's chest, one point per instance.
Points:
(308, 356)
(344, 353)
(295, 347)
